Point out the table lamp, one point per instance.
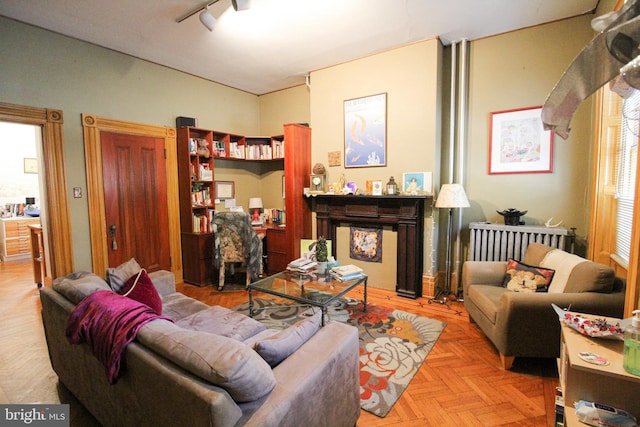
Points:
(255, 203)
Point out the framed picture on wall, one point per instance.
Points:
(519, 143)
(225, 190)
(30, 165)
(365, 131)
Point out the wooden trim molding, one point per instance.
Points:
(92, 126)
(55, 221)
(604, 204)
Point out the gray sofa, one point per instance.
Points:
(523, 324)
(174, 376)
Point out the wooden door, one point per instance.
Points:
(135, 183)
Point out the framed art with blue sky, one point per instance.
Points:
(365, 131)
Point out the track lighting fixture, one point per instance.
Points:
(207, 19)
(239, 5)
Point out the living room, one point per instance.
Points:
(507, 71)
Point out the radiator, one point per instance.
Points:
(497, 242)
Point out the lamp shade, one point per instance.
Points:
(255, 203)
(452, 196)
(207, 19)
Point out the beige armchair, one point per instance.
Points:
(522, 324)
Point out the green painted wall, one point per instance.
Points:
(43, 69)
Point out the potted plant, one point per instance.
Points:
(321, 254)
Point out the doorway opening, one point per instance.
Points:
(56, 224)
(21, 190)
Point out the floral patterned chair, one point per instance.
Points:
(236, 242)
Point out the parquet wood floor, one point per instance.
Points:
(460, 383)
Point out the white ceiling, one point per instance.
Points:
(275, 43)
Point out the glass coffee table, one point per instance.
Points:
(316, 290)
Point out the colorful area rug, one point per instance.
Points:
(393, 343)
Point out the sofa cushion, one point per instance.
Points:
(76, 286)
(177, 305)
(486, 298)
(521, 277)
(222, 361)
(118, 276)
(576, 274)
(222, 321)
(139, 287)
(278, 347)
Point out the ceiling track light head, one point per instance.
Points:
(207, 19)
(239, 5)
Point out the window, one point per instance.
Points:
(626, 163)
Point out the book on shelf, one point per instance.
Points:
(206, 174)
(259, 152)
(347, 272)
(236, 150)
(276, 216)
(200, 196)
(278, 149)
(219, 149)
(202, 222)
(193, 146)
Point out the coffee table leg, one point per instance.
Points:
(324, 313)
(365, 295)
(250, 302)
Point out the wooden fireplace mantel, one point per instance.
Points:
(404, 213)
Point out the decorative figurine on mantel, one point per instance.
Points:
(392, 187)
(512, 216)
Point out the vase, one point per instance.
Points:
(322, 267)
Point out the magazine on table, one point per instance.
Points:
(347, 272)
(302, 265)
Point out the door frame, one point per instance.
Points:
(57, 224)
(92, 126)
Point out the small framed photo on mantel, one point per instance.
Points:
(417, 183)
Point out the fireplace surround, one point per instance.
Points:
(404, 213)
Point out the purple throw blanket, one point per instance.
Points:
(108, 322)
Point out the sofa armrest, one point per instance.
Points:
(164, 281)
(528, 325)
(482, 273)
(325, 367)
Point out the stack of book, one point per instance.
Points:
(302, 265)
(347, 272)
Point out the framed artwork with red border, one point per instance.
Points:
(518, 143)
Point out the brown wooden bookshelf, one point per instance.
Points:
(292, 150)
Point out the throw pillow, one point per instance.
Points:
(278, 347)
(117, 276)
(76, 286)
(139, 287)
(521, 277)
